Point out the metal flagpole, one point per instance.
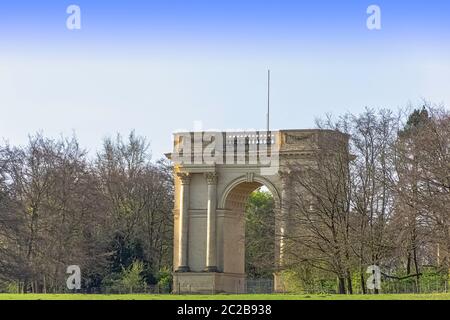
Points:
(268, 100)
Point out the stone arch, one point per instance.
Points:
(211, 192)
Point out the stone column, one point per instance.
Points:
(284, 216)
(281, 224)
(211, 256)
(183, 223)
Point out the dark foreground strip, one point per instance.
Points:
(226, 309)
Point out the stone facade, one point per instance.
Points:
(210, 197)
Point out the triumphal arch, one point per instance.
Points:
(215, 172)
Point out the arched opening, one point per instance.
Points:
(250, 237)
(260, 256)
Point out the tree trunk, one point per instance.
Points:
(341, 285)
(416, 266)
(349, 284)
(363, 282)
(408, 264)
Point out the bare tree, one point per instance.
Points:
(51, 207)
(320, 207)
(422, 163)
(139, 200)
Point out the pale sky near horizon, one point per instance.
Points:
(158, 66)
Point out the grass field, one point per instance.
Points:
(436, 296)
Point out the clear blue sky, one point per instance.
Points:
(158, 66)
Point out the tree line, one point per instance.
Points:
(110, 214)
(381, 200)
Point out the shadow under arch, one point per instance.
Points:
(236, 194)
(233, 200)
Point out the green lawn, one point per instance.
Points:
(436, 296)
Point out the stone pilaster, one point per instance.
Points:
(211, 252)
(185, 179)
(284, 216)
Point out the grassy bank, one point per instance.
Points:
(436, 296)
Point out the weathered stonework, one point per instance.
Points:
(209, 243)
